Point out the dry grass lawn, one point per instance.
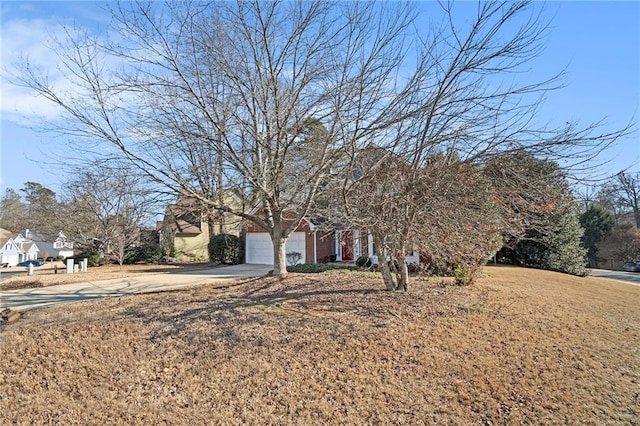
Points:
(520, 347)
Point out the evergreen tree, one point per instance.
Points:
(12, 211)
(597, 224)
(564, 242)
(42, 209)
(536, 195)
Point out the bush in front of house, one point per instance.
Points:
(363, 262)
(143, 254)
(225, 249)
(317, 268)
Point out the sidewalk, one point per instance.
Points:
(29, 298)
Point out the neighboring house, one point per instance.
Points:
(189, 232)
(16, 249)
(9, 250)
(29, 251)
(187, 227)
(57, 246)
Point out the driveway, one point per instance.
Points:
(29, 298)
(628, 277)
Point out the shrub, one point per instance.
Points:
(225, 249)
(363, 262)
(466, 273)
(146, 253)
(293, 258)
(93, 259)
(461, 274)
(316, 268)
(413, 268)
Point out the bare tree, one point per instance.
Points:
(203, 95)
(621, 244)
(627, 188)
(464, 105)
(105, 210)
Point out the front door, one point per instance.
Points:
(347, 246)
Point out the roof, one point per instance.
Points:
(182, 226)
(27, 246)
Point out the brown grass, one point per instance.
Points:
(521, 347)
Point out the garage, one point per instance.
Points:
(259, 249)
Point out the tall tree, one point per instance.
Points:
(42, 208)
(627, 188)
(541, 225)
(107, 210)
(227, 85)
(621, 244)
(12, 211)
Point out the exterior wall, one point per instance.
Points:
(231, 221)
(31, 253)
(324, 246)
(9, 253)
(193, 247)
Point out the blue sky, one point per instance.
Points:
(597, 42)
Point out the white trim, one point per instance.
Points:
(315, 246)
(337, 245)
(357, 246)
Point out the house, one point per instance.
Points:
(9, 250)
(56, 246)
(187, 227)
(16, 249)
(315, 244)
(313, 240)
(316, 240)
(305, 245)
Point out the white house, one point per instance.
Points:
(58, 246)
(9, 251)
(28, 249)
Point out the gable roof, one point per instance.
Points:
(28, 246)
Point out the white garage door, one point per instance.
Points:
(259, 249)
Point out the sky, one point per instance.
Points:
(597, 43)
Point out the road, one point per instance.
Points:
(29, 298)
(8, 272)
(628, 277)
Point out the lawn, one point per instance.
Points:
(520, 347)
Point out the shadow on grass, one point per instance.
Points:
(228, 311)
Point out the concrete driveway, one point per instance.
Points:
(628, 277)
(29, 298)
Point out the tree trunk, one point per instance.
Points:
(279, 254)
(403, 282)
(382, 263)
(211, 224)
